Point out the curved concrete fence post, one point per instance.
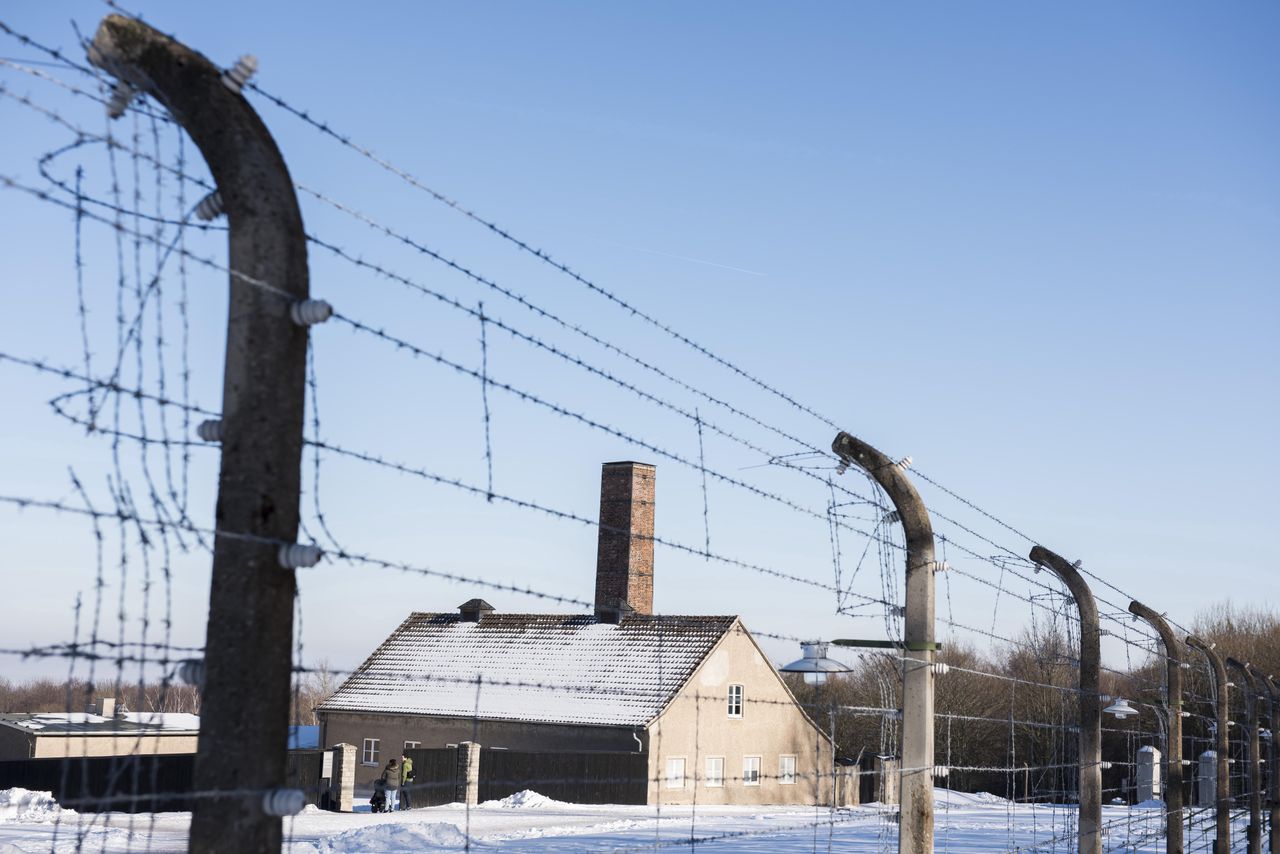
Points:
(1090, 819)
(244, 715)
(1222, 714)
(1253, 754)
(1173, 705)
(915, 832)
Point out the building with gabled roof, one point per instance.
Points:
(695, 693)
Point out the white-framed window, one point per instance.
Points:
(369, 755)
(675, 772)
(787, 769)
(751, 770)
(412, 745)
(715, 772)
(735, 701)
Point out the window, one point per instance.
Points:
(369, 756)
(715, 772)
(751, 770)
(412, 745)
(787, 770)
(735, 701)
(675, 772)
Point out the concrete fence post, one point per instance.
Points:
(1149, 788)
(1207, 779)
(467, 777)
(248, 645)
(915, 831)
(1272, 694)
(342, 784)
(1090, 738)
(1253, 755)
(1174, 843)
(1222, 720)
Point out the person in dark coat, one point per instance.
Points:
(391, 774)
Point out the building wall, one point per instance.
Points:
(15, 744)
(697, 725)
(393, 730)
(57, 747)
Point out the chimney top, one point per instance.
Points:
(473, 609)
(624, 557)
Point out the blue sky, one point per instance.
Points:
(1032, 246)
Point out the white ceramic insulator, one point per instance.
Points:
(191, 671)
(941, 771)
(842, 468)
(121, 96)
(1106, 766)
(941, 566)
(283, 802)
(904, 463)
(940, 669)
(237, 75)
(309, 312)
(210, 431)
(299, 556)
(210, 206)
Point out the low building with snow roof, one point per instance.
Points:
(694, 693)
(108, 730)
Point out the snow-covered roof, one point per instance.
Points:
(82, 723)
(545, 668)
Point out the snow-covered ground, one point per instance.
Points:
(527, 822)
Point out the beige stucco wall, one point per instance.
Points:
(108, 745)
(696, 725)
(16, 743)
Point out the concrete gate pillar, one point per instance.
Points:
(468, 774)
(342, 782)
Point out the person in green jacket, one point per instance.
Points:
(406, 781)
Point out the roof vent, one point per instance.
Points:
(473, 609)
(613, 611)
(106, 707)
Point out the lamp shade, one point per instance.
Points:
(1121, 708)
(815, 666)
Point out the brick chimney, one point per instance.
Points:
(624, 559)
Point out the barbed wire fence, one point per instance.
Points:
(130, 372)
